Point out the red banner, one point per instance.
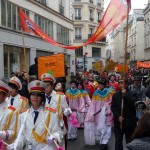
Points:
(143, 65)
(114, 15)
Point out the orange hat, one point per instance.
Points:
(16, 81)
(37, 86)
(47, 77)
(4, 87)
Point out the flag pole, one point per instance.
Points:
(125, 60)
(25, 56)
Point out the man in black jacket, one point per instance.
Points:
(128, 119)
(33, 70)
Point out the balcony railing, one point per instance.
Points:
(61, 10)
(77, 17)
(91, 1)
(78, 37)
(91, 19)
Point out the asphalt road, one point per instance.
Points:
(79, 144)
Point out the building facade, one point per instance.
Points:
(136, 37)
(147, 32)
(135, 45)
(54, 19)
(116, 43)
(87, 15)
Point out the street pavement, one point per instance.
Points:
(79, 144)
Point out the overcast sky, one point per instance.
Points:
(134, 3)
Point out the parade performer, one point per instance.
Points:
(113, 83)
(56, 101)
(8, 117)
(60, 89)
(89, 87)
(87, 101)
(15, 99)
(39, 126)
(76, 103)
(99, 116)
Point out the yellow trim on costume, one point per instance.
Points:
(15, 128)
(42, 138)
(8, 121)
(21, 110)
(60, 114)
(84, 94)
(98, 98)
(72, 97)
(6, 126)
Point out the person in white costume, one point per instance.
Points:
(8, 117)
(15, 99)
(56, 101)
(33, 124)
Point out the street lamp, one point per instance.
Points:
(85, 54)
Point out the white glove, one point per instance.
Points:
(50, 139)
(67, 112)
(2, 135)
(11, 147)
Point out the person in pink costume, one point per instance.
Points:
(99, 116)
(76, 103)
(87, 101)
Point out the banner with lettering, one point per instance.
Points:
(143, 65)
(53, 64)
(114, 15)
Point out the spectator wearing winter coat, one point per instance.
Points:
(137, 89)
(128, 119)
(141, 135)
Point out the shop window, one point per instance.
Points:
(14, 60)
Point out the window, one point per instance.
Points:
(96, 52)
(78, 33)
(62, 34)
(14, 59)
(91, 15)
(91, 1)
(79, 52)
(45, 24)
(77, 13)
(10, 16)
(98, 3)
(42, 2)
(61, 7)
(98, 17)
(90, 32)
